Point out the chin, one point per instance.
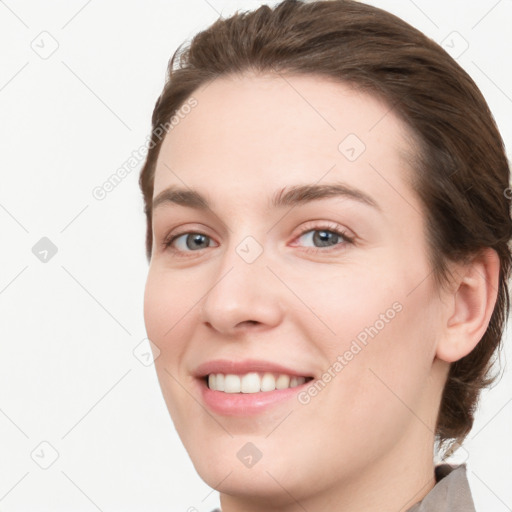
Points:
(250, 466)
(263, 482)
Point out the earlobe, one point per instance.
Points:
(470, 307)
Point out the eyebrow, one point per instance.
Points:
(288, 196)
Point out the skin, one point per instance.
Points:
(365, 442)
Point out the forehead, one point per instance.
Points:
(267, 131)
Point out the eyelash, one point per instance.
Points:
(331, 228)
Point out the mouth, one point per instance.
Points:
(248, 387)
(253, 382)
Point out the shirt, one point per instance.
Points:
(451, 493)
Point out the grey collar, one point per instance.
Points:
(450, 494)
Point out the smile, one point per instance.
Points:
(253, 382)
(248, 387)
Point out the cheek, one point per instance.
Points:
(156, 304)
(380, 338)
(166, 316)
(166, 305)
(344, 304)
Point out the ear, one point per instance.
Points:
(470, 306)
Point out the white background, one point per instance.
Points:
(69, 327)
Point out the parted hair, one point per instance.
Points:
(460, 169)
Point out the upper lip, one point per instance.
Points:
(226, 366)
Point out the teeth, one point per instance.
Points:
(283, 382)
(219, 382)
(232, 384)
(252, 382)
(268, 382)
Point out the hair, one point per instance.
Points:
(460, 169)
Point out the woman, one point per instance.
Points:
(327, 230)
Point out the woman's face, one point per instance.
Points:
(271, 284)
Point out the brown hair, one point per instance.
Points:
(461, 170)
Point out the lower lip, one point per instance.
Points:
(245, 404)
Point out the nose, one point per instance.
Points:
(243, 294)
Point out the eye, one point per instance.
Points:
(325, 236)
(190, 241)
